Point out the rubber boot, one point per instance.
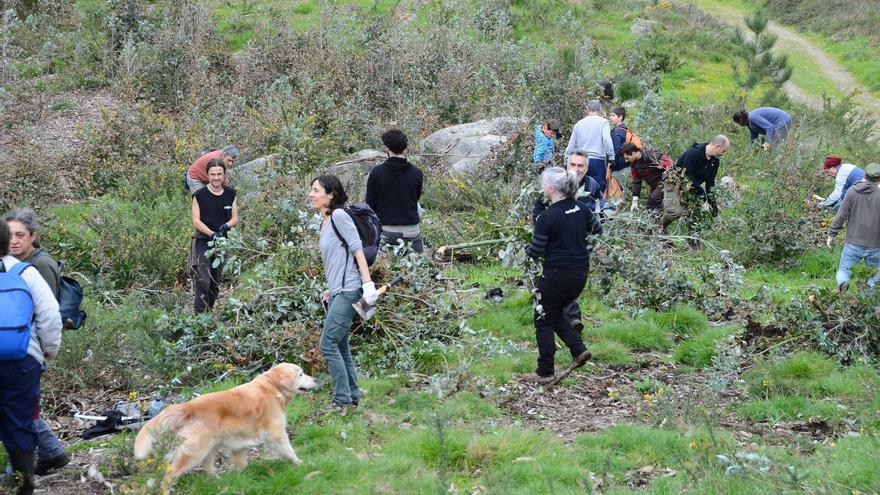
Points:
(23, 464)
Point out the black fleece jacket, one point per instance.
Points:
(393, 191)
(699, 169)
(561, 233)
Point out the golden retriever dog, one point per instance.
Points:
(229, 422)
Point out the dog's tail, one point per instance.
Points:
(169, 420)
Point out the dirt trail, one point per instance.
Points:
(789, 40)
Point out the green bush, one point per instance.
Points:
(124, 243)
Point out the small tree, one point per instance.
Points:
(755, 65)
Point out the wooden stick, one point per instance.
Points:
(442, 249)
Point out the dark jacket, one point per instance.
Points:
(588, 194)
(648, 168)
(560, 235)
(618, 137)
(393, 191)
(861, 213)
(700, 170)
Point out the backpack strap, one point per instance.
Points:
(344, 245)
(19, 267)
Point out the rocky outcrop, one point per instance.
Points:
(353, 172)
(643, 26)
(462, 147)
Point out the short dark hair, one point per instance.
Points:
(741, 117)
(332, 185)
(395, 140)
(5, 237)
(619, 111)
(629, 148)
(215, 162)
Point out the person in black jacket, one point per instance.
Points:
(560, 238)
(700, 165)
(393, 191)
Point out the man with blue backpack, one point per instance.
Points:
(30, 333)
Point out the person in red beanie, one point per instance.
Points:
(845, 175)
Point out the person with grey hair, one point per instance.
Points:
(197, 175)
(592, 134)
(560, 238)
(25, 246)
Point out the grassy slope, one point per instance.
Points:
(858, 54)
(408, 438)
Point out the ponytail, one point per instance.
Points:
(566, 182)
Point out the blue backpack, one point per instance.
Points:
(17, 315)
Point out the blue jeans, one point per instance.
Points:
(19, 403)
(596, 168)
(851, 255)
(335, 348)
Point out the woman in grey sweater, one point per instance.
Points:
(348, 277)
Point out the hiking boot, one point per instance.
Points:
(843, 287)
(43, 466)
(355, 401)
(577, 325)
(23, 464)
(581, 360)
(334, 407)
(536, 378)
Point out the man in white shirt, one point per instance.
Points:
(592, 134)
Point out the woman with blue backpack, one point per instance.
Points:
(30, 333)
(347, 272)
(25, 246)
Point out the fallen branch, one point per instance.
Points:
(489, 242)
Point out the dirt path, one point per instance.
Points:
(790, 41)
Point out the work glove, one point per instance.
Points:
(223, 229)
(635, 204)
(829, 241)
(370, 293)
(215, 236)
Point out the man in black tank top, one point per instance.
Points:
(214, 212)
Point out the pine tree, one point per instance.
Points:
(755, 65)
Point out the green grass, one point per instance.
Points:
(641, 335)
(789, 408)
(511, 319)
(611, 352)
(699, 350)
(683, 320)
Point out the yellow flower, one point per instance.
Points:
(693, 445)
(132, 395)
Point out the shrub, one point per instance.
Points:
(124, 243)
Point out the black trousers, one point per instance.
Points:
(206, 279)
(557, 290)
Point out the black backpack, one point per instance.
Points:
(70, 296)
(369, 230)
